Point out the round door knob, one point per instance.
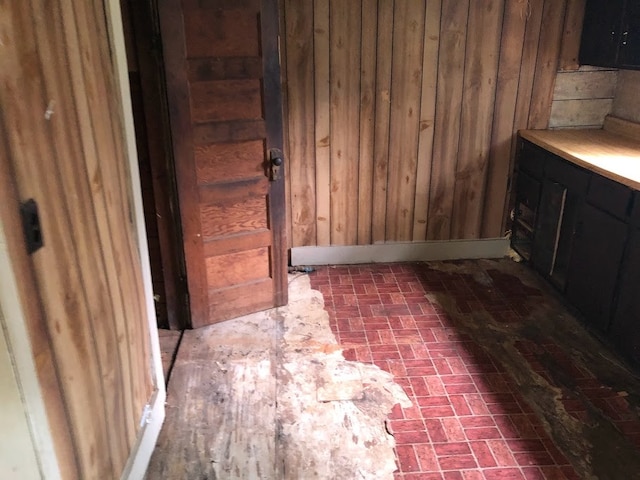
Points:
(277, 161)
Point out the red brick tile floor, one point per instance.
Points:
(506, 384)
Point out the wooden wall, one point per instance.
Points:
(627, 100)
(582, 98)
(401, 114)
(63, 144)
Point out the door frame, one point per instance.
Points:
(26, 335)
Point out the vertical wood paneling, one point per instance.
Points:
(322, 120)
(88, 274)
(448, 110)
(481, 70)
(427, 117)
(571, 35)
(383, 110)
(300, 102)
(547, 63)
(406, 74)
(422, 149)
(345, 24)
(367, 118)
(513, 30)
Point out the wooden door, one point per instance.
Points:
(223, 83)
(63, 147)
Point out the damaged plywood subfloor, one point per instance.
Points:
(270, 396)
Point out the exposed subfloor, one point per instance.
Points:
(502, 383)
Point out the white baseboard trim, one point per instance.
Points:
(400, 252)
(138, 462)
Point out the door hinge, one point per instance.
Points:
(31, 225)
(146, 416)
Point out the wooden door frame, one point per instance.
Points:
(23, 316)
(147, 436)
(145, 37)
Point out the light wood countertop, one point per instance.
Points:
(608, 152)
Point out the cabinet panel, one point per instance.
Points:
(625, 327)
(629, 54)
(609, 196)
(601, 32)
(548, 226)
(532, 159)
(527, 198)
(595, 261)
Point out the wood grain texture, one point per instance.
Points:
(453, 37)
(434, 176)
(427, 117)
(300, 87)
(580, 85)
(88, 276)
(611, 155)
(571, 35)
(408, 40)
(481, 70)
(580, 113)
(547, 63)
(383, 110)
(507, 87)
(367, 118)
(321, 56)
(345, 24)
(232, 111)
(627, 101)
(622, 127)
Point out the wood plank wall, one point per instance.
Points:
(401, 114)
(62, 143)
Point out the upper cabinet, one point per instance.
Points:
(611, 34)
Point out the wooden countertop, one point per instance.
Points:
(613, 152)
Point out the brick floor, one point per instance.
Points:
(468, 419)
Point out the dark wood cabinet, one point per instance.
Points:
(598, 248)
(611, 34)
(625, 326)
(581, 231)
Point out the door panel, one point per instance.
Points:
(62, 128)
(223, 82)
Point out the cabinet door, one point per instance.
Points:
(629, 54)
(625, 327)
(548, 224)
(595, 262)
(601, 32)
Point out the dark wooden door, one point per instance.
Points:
(625, 326)
(223, 83)
(595, 262)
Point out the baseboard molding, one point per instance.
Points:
(400, 252)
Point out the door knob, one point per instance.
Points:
(277, 159)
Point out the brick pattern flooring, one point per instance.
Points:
(468, 420)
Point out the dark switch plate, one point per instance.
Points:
(31, 225)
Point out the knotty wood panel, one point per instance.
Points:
(430, 137)
(481, 70)
(72, 161)
(223, 220)
(212, 161)
(223, 270)
(453, 40)
(344, 59)
(408, 40)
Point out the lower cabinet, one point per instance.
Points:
(598, 247)
(578, 230)
(625, 327)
